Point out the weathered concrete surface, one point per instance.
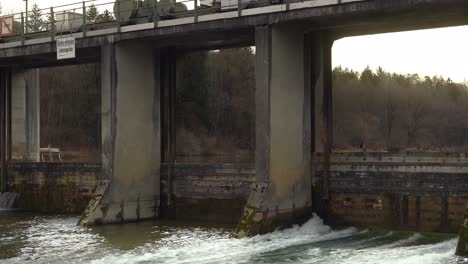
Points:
(25, 115)
(95, 201)
(207, 192)
(53, 187)
(131, 134)
(282, 195)
(8, 200)
(462, 246)
(418, 192)
(5, 81)
(320, 80)
(371, 16)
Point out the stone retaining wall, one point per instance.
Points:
(410, 191)
(419, 192)
(208, 192)
(53, 187)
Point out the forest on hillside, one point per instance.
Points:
(70, 114)
(382, 111)
(215, 106)
(215, 110)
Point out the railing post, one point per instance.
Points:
(239, 10)
(23, 28)
(156, 15)
(52, 24)
(117, 16)
(195, 9)
(84, 19)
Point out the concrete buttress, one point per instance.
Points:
(282, 195)
(129, 189)
(25, 114)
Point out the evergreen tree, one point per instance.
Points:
(106, 16)
(35, 21)
(92, 14)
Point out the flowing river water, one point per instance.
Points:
(33, 238)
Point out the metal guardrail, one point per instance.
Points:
(71, 18)
(74, 18)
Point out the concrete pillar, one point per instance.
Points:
(168, 139)
(130, 136)
(4, 126)
(320, 76)
(283, 132)
(25, 114)
(320, 61)
(462, 246)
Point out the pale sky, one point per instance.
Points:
(442, 51)
(19, 5)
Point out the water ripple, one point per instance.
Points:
(56, 239)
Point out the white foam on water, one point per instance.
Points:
(201, 249)
(402, 242)
(440, 253)
(59, 240)
(56, 240)
(230, 250)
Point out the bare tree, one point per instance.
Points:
(416, 115)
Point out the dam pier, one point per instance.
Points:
(295, 171)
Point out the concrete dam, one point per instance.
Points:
(296, 172)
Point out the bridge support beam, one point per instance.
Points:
(5, 89)
(282, 195)
(25, 114)
(320, 78)
(129, 190)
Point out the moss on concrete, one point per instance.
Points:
(462, 247)
(87, 217)
(246, 222)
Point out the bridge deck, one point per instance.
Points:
(22, 38)
(235, 27)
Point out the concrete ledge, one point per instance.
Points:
(224, 15)
(54, 187)
(137, 27)
(175, 22)
(54, 166)
(102, 32)
(37, 41)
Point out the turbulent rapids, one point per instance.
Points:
(26, 238)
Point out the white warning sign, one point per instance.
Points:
(7, 29)
(66, 48)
